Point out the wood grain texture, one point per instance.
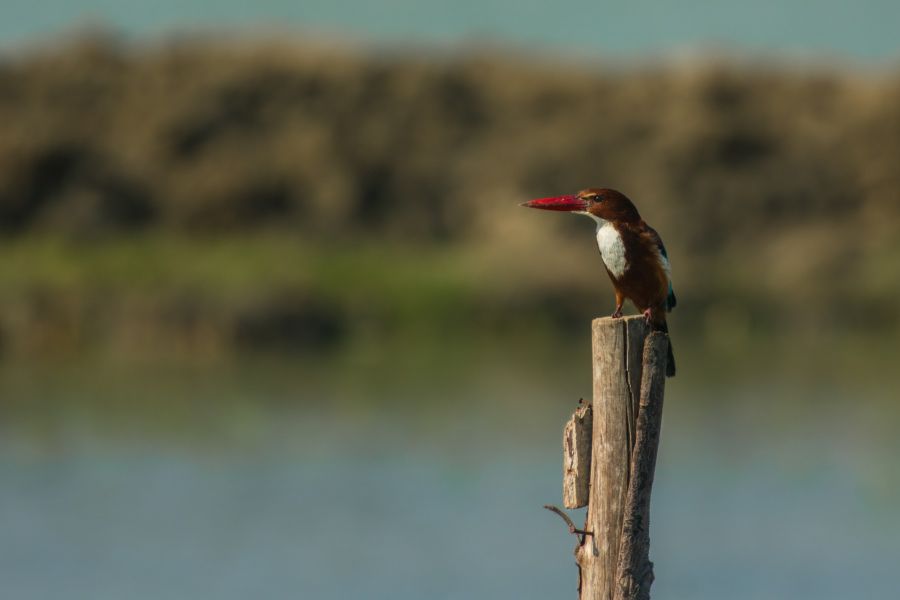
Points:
(617, 353)
(577, 457)
(634, 573)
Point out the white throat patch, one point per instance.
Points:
(612, 250)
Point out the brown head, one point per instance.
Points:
(602, 203)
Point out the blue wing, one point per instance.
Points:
(671, 300)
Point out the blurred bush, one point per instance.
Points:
(776, 189)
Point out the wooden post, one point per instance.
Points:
(634, 573)
(612, 552)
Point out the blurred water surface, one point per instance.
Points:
(383, 479)
(861, 30)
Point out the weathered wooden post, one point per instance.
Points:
(629, 364)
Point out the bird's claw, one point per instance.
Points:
(648, 316)
(617, 314)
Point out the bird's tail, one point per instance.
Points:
(670, 359)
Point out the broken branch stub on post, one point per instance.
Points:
(577, 457)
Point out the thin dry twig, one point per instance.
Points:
(572, 529)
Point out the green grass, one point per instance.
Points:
(423, 303)
(231, 267)
(378, 290)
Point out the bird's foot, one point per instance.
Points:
(648, 315)
(617, 314)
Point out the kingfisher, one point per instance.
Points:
(633, 253)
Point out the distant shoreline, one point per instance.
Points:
(294, 195)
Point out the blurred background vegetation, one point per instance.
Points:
(217, 197)
(261, 292)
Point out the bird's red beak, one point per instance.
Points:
(567, 203)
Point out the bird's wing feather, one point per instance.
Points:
(671, 300)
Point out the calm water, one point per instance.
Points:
(269, 485)
(866, 29)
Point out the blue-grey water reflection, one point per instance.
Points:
(767, 492)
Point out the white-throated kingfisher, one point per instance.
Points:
(632, 252)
